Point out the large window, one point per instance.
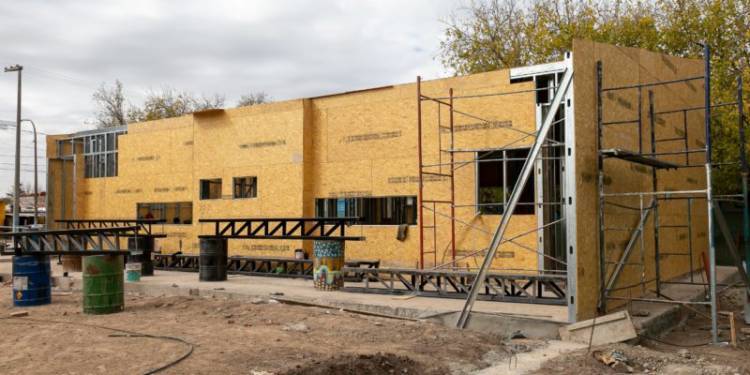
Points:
(211, 189)
(245, 187)
(100, 154)
(497, 174)
(171, 213)
(372, 210)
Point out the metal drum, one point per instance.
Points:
(212, 264)
(103, 284)
(142, 255)
(31, 280)
(328, 264)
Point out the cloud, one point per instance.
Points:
(286, 48)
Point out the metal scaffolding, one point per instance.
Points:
(613, 259)
(444, 169)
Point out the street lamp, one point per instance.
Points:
(36, 175)
(17, 178)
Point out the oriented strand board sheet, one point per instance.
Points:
(622, 67)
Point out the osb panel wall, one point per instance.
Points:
(365, 144)
(59, 180)
(357, 144)
(627, 66)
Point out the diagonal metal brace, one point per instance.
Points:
(528, 166)
(637, 232)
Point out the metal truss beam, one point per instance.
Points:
(87, 241)
(283, 228)
(144, 225)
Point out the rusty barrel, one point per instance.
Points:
(103, 284)
(328, 264)
(212, 262)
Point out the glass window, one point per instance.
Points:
(245, 187)
(210, 189)
(100, 154)
(170, 213)
(497, 174)
(372, 210)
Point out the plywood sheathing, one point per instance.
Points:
(626, 66)
(355, 144)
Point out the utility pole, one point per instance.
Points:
(17, 178)
(36, 174)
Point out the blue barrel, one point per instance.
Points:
(31, 280)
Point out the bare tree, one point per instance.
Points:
(208, 102)
(168, 102)
(110, 103)
(253, 98)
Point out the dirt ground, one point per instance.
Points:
(226, 336)
(682, 351)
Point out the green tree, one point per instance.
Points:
(497, 34)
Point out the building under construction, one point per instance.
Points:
(611, 144)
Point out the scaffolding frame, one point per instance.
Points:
(651, 160)
(429, 207)
(559, 88)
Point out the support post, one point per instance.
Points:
(655, 187)
(744, 173)
(602, 305)
(419, 174)
(709, 194)
(453, 185)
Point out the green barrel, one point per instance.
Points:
(103, 284)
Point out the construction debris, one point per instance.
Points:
(18, 314)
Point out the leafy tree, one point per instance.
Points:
(253, 99)
(497, 34)
(110, 103)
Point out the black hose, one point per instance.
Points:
(126, 333)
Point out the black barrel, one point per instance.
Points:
(213, 259)
(140, 252)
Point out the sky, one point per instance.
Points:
(288, 49)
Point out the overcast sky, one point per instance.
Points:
(288, 49)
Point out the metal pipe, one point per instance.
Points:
(653, 83)
(654, 186)
(709, 198)
(602, 304)
(453, 185)
(420, 183)
(744, 174)
(36, 175)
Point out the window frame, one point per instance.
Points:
(376, 211)
(237, 186)
(204, 188)
(165, 207)
(524, 207)
(100, 154)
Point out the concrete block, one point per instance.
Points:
(607, 329)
